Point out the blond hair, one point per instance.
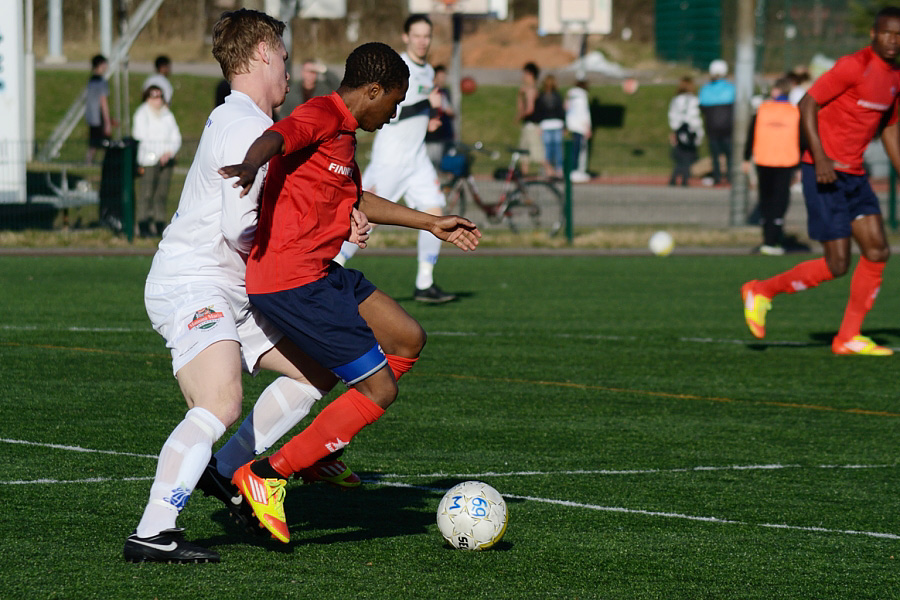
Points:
(236, 34)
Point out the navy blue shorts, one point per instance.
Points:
(322, 319)
(831, 209)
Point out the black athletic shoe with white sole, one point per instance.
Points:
(168, 546)
(214, 484)
(433, 295)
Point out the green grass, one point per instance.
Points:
(611, 399)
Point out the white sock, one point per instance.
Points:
(429, 247)
(181, 462)
(346, 253)
(279, 408)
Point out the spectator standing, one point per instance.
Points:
(530, 138)
(717, 106)
(315, 80)
(160, 79)
(578, 122)
(159, 139)
(686, 125)
(439, 137)
(774, 145)
(96, 108)
(552, 114)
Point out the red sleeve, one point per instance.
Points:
(305, 126)
(835, 81)
(894, 111)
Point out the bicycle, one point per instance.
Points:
(524, 202)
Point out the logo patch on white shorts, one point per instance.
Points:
(205, 318)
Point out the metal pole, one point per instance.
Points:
(743, 79)
(456, 75)
(567, 177)
(29, 79)
(128, 162)
(55, 32)
(106, 27)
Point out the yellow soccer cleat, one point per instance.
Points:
(334, 472)
(266, 498)
(861, 345)
(755, 308)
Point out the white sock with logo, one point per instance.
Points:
(181, 462)
(279, 408)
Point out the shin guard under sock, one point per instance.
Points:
(331, 430)
(804, 276)
(863, 289)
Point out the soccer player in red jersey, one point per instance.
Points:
(334, 314)
(840, 115)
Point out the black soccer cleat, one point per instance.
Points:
(433, 295)
(212, 483)
(168, 546)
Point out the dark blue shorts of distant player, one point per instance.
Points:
(322, 319)
(831, 208)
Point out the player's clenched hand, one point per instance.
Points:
(359, 228)
(460, 232)
(825, 171)
(245, 173)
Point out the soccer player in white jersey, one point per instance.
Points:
(400, 167)
(196, 300)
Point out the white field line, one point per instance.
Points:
(76, 448)
(774, 467)
(667, 515)
(380, 481)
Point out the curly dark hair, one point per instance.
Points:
(375, 63)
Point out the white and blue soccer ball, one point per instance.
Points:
(472, 516)
(661, 243)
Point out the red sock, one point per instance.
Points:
(863, 288)
(804, 276)
(330, 431)
(400, 364)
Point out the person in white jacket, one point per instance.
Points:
(159, 139)
(578, 122)
(686, 125)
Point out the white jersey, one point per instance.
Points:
(213, 227)
(400, 166)
(401, 140)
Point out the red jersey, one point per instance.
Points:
(310, 190)
(854, 96)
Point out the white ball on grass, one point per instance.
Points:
(661, 243)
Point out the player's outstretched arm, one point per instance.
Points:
(459, 231)
(269, 144)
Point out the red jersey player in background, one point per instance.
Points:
(840, 114)
(337, 316)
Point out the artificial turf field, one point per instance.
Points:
(647, 446)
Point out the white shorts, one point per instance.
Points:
(417, 183)
(193, 316)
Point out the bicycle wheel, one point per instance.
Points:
(537, 205)
(456, 198)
